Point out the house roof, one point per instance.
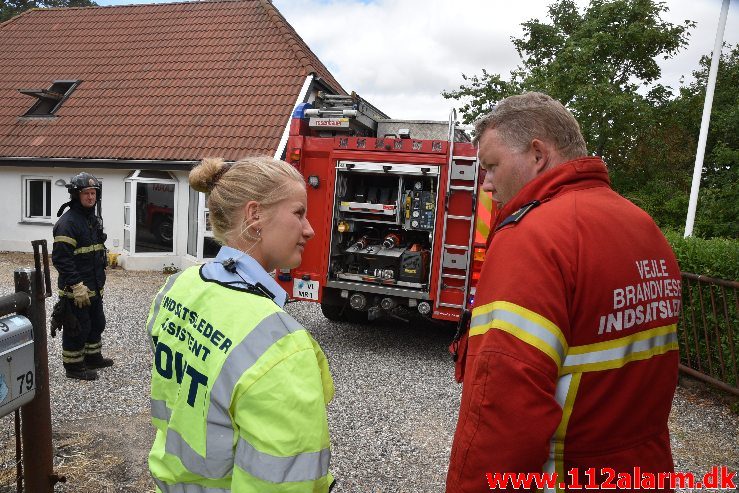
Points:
(177, 81)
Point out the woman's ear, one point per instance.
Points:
(251, 211)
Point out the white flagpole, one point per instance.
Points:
(703, 136)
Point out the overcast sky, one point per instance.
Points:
(400, 54)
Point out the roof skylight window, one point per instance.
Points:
(51, 99)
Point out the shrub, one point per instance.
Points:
(709, 331)
(713, 257)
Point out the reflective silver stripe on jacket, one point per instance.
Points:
(618, 355)
(186, 488)
(219, 431)
(307, 466)
(523, 324)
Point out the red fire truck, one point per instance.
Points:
(399, 216)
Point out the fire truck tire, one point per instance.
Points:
(354, 316)
(340, 313)
(162, 229)
(332, 312)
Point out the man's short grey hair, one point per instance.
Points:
(534, 115)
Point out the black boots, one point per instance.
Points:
(85, 370)
(80, 372)
(96, 360)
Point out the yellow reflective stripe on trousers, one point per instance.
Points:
(65, 239)
(93, 348)
(92, 248)
(186, 488)
(528, 326)
(616, 353)
(73, 356)
(219, 430)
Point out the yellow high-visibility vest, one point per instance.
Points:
(238, 393)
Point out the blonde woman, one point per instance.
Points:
(238, 387)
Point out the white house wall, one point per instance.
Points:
(16, 235)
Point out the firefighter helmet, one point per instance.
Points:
(82, 181)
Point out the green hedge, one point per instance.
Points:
(714, 257)
(709, 340)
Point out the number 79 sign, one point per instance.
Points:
(17, 365)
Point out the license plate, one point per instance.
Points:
(307, 290)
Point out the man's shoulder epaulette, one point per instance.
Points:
(519, 214)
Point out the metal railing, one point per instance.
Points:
(709, 331)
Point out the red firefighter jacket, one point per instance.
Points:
(571, 357)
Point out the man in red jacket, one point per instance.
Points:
(571, 357)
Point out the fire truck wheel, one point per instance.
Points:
(355, 316)
(162, 229)
(340, 313)
(333, 312)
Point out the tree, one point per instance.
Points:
(11, 8)
(599, 63)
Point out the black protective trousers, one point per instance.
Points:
(92, 324)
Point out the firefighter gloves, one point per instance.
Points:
(81, 295)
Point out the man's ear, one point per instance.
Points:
(542, 155)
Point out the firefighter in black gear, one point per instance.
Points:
(80, 257)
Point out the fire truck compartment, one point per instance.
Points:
(384, 215)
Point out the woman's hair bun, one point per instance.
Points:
(205, 175)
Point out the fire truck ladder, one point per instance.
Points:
(462, 179)
(349, 106)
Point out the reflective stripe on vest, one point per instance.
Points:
(158, 301)
(92, 248)
(219, 431)
(159, 410)
(65, 239)
(616, 353)
(186, 488)
(528, 326)
(301, 467)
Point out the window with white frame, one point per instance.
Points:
(200, 241)
(149, 212)
(37, 198)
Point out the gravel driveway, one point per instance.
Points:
(391, 422)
